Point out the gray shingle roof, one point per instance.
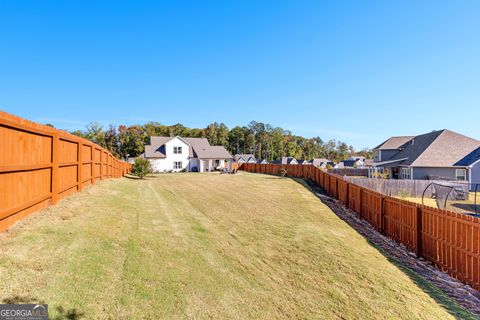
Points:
(442, 148)
(393, 143)
(245, 157)
(470, 159)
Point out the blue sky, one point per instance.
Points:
(356, 71)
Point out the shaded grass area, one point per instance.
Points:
(206, 246)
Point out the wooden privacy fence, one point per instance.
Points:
(449, 240)
(404, 187)
(40, 165)
(361, 172)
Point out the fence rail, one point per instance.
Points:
(449, 240)
(40, 165)
(399, 187)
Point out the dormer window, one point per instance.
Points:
(177, 150)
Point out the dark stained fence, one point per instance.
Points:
(361, 172)
(333, 186)
(40, 165)
(354, 198)
(372, 208)
(401, 223)
(342, 191)
(451, 241)
(400, 187)
(447, 239)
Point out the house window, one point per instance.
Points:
(461, 174)
(405, 173)
(177, 165)
(177, 150)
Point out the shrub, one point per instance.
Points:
(403, 193)
(141, 167)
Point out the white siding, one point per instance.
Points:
(163, 165)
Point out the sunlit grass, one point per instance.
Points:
(201, 246)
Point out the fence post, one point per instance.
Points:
(382, 215)
(360, 201)
(79, 165)
(336, 188)
(55, 167)
(94, 165)
(418, 247)
(347, 190)
(102, 169)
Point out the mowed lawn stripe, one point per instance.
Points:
(206, 246)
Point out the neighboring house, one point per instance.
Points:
(368, 163)
(389, 148)
(352, 162)
(472, 162)
(244, 158)
(304, 162)
(322, 162)
(262, 161)
(439, 154)
(286, 160)
(190, 154)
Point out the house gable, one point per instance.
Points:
(442, 148)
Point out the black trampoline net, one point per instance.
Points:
(455, 197)
(442, 194)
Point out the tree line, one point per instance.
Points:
(260, 139)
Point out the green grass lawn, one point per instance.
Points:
(209, 246)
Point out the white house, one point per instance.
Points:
(286, 160)
(190, 154)
(244, 158)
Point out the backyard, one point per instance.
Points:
(206, 246)
(468, 206)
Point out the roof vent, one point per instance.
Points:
(413, 142)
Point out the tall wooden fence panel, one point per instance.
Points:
(333, 186)
(450, 240)
(40, 165)
(342, 191)
(401, 222)
(372, 208)
(354, 197)
(358, 172)
(404, 187)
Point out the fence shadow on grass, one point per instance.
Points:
(430, 289)
(452, 307)
(69, 314)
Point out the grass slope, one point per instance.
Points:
(206, 246)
